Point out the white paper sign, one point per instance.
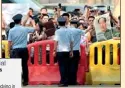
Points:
(10, 73)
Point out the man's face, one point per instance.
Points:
(43, 11)
(91, 20)
(45, 19)
(102, 24)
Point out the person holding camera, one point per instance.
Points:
(29, 17)
(92, 33)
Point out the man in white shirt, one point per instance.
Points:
(63, 50)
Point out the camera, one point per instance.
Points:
(108, 8)
(59, 5)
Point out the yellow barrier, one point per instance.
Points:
(5, 48)
(105, 73)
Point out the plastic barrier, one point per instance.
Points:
(48, 73)
(105, 73)
(5, 49)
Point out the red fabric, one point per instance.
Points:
(84, 59)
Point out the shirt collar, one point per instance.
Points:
(17, 25)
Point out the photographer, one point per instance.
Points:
(29, 17)
(43, 11)
(91, 34)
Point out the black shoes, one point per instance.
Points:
(73, 83)
(63, 85)
(25, 83)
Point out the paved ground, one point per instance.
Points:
(79, 86)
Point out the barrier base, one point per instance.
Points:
(105, 75)
(88, 78)
(48, 75)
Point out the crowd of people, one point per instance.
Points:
(68, 30)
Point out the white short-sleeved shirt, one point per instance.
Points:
(64, 37)
(77, 33)
(18, 36)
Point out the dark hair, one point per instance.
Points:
(17, 21)
(31, 9)
(62, 23)
(91, 17)
(43, 8)
(12, 24)
(71, 13)
(45, 15)
(102, 18)
(40, 26)
(65, 14)
(50, 19)
(119, 17)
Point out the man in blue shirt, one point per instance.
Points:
(74, 61)
(18, 42)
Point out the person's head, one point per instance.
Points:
(102, 23)
(45, 18)
(53, 20)
(61, 21)
(66, 16)
(43, 11)
(91, 20)
(82, 26)
(31, 11)
(12, 24)
(17, 19)
(74, 23)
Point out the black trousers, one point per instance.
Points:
(73, 68)
(23, 54)
(68, 67)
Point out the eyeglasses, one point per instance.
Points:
(91, 20)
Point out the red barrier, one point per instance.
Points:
(48, 73)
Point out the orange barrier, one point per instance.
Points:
(49, 73)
